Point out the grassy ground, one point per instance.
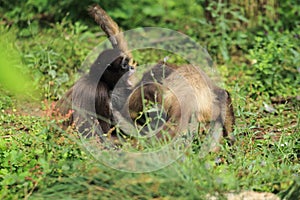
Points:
(38, 161)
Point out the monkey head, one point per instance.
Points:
(112, 65)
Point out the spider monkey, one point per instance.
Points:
(90, 97)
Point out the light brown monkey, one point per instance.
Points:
(183, 92)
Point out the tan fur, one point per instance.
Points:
(110, 27)
(193, 89)
(184, 93)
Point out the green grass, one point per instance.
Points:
(41, 162)
(37, 161)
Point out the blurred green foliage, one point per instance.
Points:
(53, 61)
(13, 74)
(219, 26)
(133, 13)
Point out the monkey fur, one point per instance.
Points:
(90, 97)
(111, 28)
(183, 92)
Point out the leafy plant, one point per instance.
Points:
(31, 151)
(222, 31)
(53, 64)
(276, 60)
(5, 99)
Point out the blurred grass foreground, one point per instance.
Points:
(13, 73)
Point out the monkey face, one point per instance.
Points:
(111, 66)
(120, 66)
(112, 61)
(120, 69)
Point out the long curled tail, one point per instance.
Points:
(110, 27)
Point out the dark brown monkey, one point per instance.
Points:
(183, 92)
(90, 97)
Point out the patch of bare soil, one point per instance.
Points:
(27, 108)
(248, 195)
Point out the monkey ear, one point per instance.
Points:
(133, 63)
